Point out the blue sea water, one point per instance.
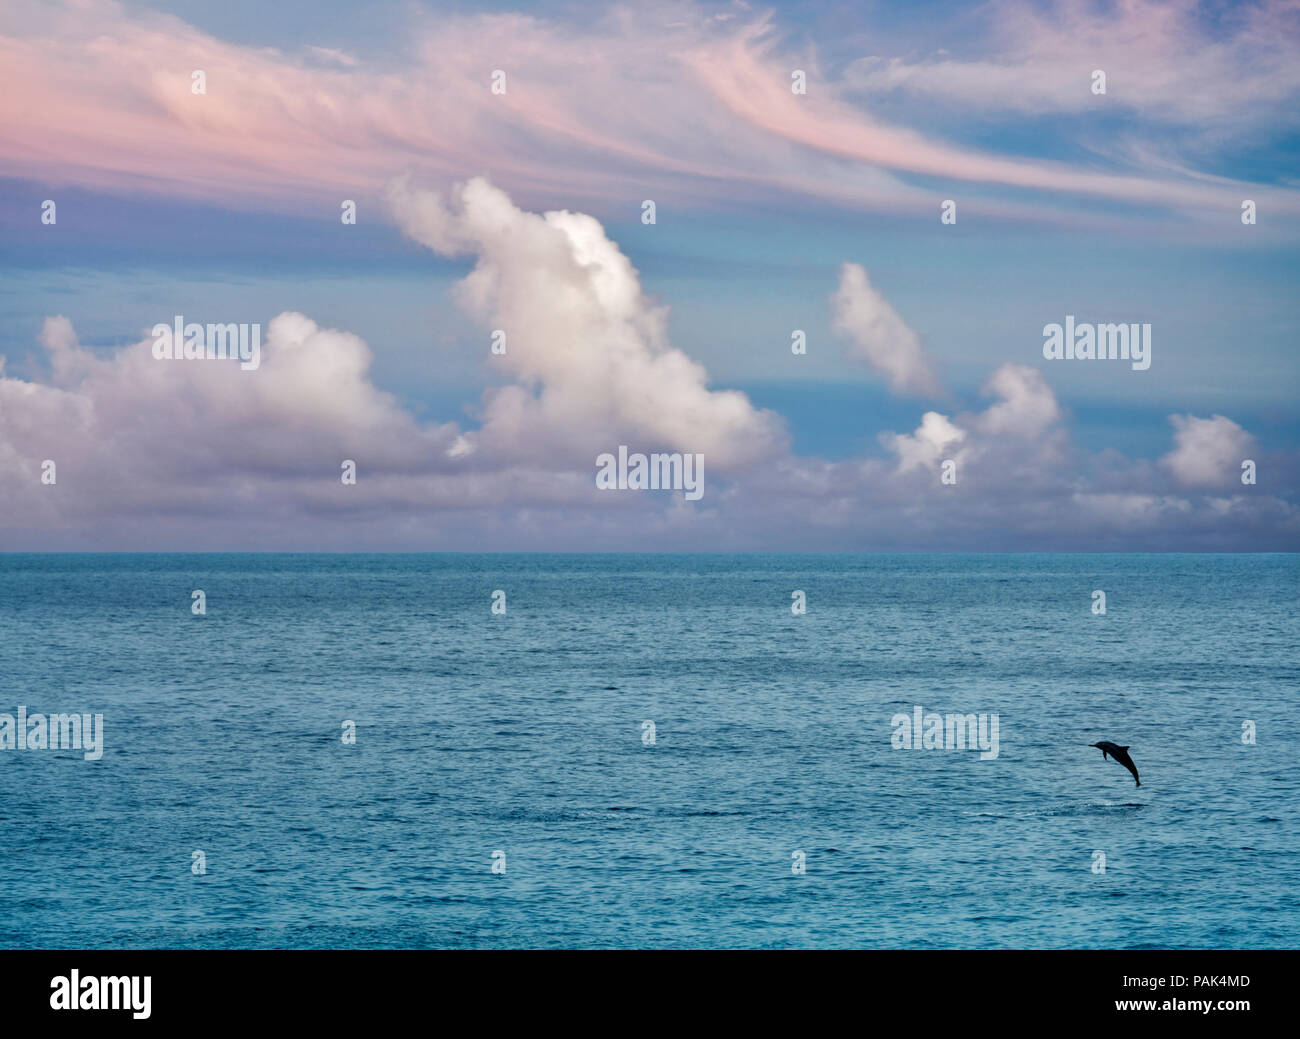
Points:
(523, 733)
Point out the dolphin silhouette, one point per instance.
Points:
(1120, 754)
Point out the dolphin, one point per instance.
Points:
(1120, 754)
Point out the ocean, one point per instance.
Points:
(651, 751)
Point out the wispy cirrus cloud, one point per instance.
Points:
(1221, 70)
(667, 98)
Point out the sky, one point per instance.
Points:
(915, 192)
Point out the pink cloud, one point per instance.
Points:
(664, 99)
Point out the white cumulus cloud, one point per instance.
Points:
(587, 351)
(1208, 452)
(879, 336)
